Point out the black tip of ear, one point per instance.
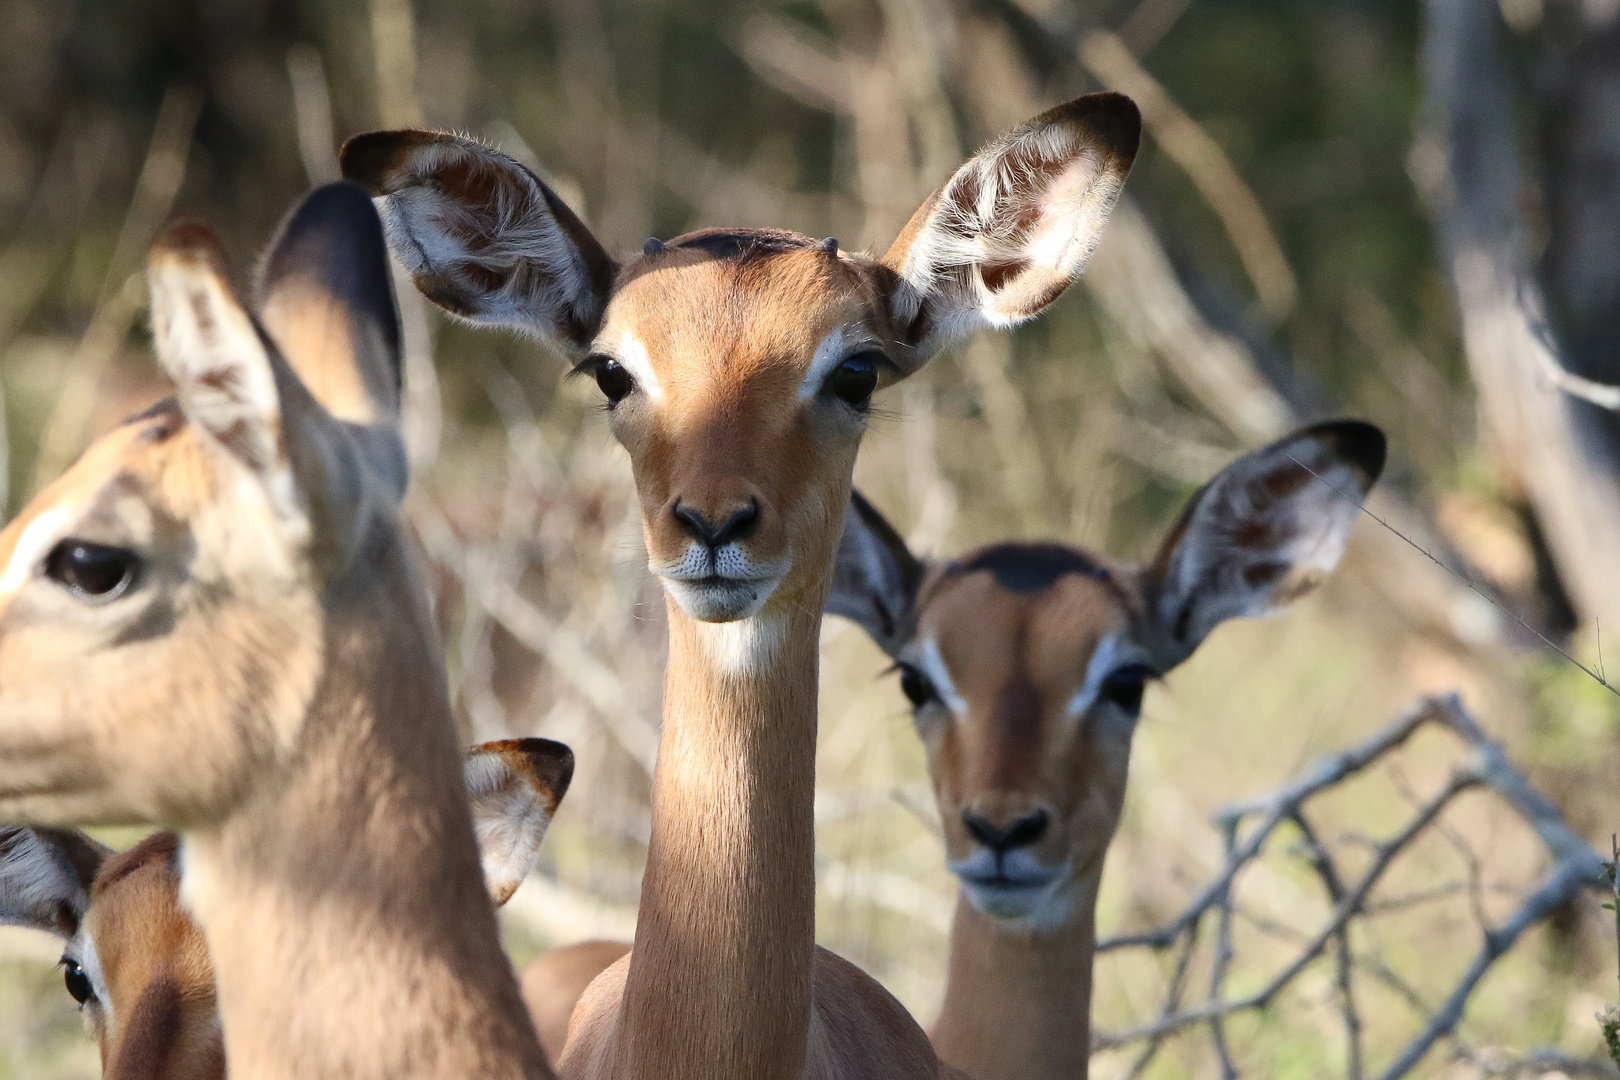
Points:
(371, 158)
(1112, 121)
(550, 762)
(334, 241)
(1356, 441)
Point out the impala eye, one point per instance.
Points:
(1124, 687)
(614, 381)
(853, 381)
(78, 983)
(92, 572)
(916, 686)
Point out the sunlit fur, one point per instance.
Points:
(725, 980)
(154, 1010)
(1018, 641)
(272, 685)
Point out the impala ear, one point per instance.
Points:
(515, 786)
(325, 298)
(1265, 531)
(481, 235)
(222, 368)
(875, 577)
(1014, 227)
(45, 877)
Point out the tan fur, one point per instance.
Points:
(732, 420)
(553, 983)
(1015, 642)
(263, 688)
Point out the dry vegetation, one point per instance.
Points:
(1215, 315)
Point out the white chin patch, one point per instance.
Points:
(719, 600)
(1034, 908)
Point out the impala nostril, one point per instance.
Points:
(1021, 833)
(738, 525)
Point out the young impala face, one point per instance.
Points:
(138, 965)
(738, 365)
(1025, 663)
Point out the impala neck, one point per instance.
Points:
(1018, 1005)
(720, 978)
(343, 903)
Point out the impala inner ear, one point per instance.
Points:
(875, 577)
(515, 786)
(45, 877)
(1266, 530)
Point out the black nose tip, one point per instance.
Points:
(738, 526)
(1021, 833)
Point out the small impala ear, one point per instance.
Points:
(1265, 531)
(325, 299)
(515, 786)
(1014, 227)
(209, 345)
(875, 577)
(481, 235)
(45, 877)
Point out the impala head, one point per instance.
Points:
(163, 603)
(138, 965)
(1025, 663)
(738, 366)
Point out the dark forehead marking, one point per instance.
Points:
(161, 849)
(1029, 568)
(743, 245)
(164, 419)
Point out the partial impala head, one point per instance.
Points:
(162, 603)
(1025, 663)
(738, 365)
(138, 965)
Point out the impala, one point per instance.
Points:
(137, 963)
(211, 622)
(1025, 665)
(738, 367)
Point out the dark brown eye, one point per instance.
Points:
(614, 381)
(853, 381)
(1124, 687)
(92, 572)
(915, 685)
(78, 983)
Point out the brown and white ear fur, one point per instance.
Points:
(515, 786)
(1014, 227)
(45, 877)
(875, 577)
(309, 403)
(1265, 531)
(481, 235)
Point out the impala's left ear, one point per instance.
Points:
(875, 577)
(1014, 227)
(1265, 531)
(45, 877)
(515, 786)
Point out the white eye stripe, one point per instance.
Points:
(632, 356)
(37, 539)
(928, 660)
(834, 349)
(1113, 652)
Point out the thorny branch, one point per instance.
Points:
(1574, 867)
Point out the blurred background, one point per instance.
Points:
(1399, 211)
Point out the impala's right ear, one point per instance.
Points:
(45, 877)
(481, 235)
(515, 786)
(875, 577)
(1014, 227)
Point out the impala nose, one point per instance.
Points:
(731, 523)
(1016, 834)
